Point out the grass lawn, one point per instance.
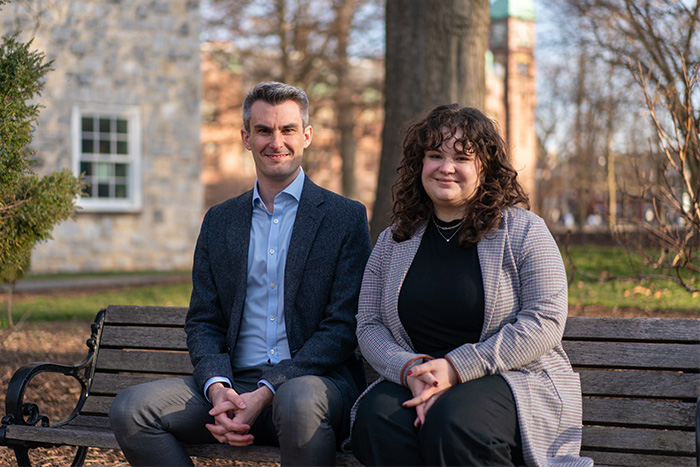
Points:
(587, 289)
(84, 305)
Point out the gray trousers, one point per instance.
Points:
(150, 420)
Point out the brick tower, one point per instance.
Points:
(512, 44)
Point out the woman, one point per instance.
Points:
(462, 309)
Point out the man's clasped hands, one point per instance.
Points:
(235, 413)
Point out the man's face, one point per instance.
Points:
(277, 140)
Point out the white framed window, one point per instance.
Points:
(106, 146)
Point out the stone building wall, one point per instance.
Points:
(133, 61)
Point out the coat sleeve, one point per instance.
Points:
(206, 325)
(538, 294)
(381, 338)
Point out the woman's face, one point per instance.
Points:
(450, 177)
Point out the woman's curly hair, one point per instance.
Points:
(498, 188)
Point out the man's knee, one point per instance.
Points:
(301, 395)
(142, 404)
(308, 399)
(123, 407)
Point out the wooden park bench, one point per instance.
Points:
(640, 377)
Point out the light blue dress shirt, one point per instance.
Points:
(263, 336)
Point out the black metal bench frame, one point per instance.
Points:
(640, 380)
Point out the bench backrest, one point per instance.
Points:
(640, 381)
(135, 344)
(640, 377)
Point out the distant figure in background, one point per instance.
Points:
(271, 324)
(462, 310)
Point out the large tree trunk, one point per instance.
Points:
(345, 108)
(435, 54)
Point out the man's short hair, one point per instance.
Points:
(275, 93)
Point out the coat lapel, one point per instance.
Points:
(306, 224)
(490, 250)
(400, 261)
(237, 226)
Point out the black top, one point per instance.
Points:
(441, 303)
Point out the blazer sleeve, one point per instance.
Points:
(333, 341)
(206, 325)
(381, 338)
(541, 296)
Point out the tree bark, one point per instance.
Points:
(345, 109)
(435, 54)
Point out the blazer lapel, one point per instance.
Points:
(306, 224)
(400, 261)
(237, 227)
(490, 250)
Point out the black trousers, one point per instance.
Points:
(471, 424)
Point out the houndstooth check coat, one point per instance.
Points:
(526, 301)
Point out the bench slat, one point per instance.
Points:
(112, 383)
(91, 421)
(640, 383)
(99, 438)
(145, 361)
(104, 438)
(633, 355)
(144, 337)
(642, 413)
(146, 315)
(97, 405)
(625, 439)
(650, 329)
(604, 459)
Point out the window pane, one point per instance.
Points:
(102, 137)
(88, 124)
(88, 146)
(120, 191)
(86, 168)
(104, 146)
(104, 170)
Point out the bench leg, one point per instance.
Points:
(697, 432)
(22, 455)
(80, 455)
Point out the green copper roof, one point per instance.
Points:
(522, 9)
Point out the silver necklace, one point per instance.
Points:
(440, 228)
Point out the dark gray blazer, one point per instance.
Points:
(327, 253)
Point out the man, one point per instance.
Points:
(271, 323)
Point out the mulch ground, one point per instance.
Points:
(64, 342)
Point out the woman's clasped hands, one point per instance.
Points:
(427, 382)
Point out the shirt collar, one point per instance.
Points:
(293, 189)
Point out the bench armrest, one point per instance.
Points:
(19, 412)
